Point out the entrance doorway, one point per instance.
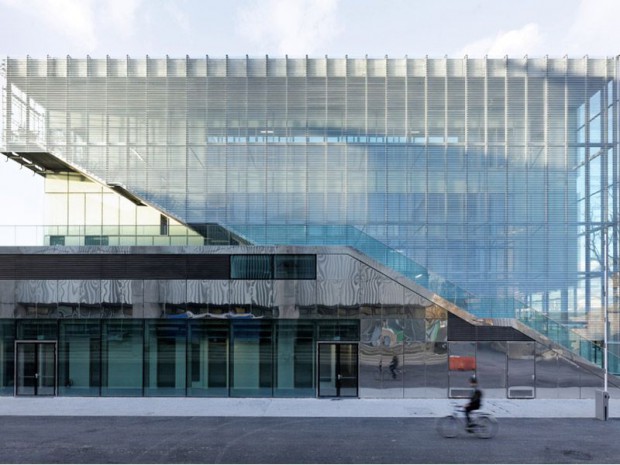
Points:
(35, 368)
(338, 369)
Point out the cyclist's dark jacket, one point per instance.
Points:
(475, 400)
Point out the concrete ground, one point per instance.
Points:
(247, 407)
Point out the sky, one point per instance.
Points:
(294, 28)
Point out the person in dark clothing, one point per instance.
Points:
(394, 366)
(475, 401)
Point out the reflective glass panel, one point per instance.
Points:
(546, 373)
(462, 365)
(121, 358)
(79, 358)
(46, 369)
(338, 330)
(294, 359)
(328, 375)
(251, 267)
(392, 358)
(295, 266)
(371, 370)
(26, 369)
(521, 379)
(252, 370)
(7, 357)
(37, 330)
(165, 358)
(207, 358)
(491, 368)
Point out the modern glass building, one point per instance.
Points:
(465, 212)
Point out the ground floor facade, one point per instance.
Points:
(253, 322)
(274, 358)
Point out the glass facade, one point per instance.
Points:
(491, 182)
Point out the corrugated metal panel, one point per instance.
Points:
(114, 266)
(208, 266)
(7, 266)
(48, 266)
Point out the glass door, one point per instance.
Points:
(338, 369)
(35, 368)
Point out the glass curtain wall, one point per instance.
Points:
(497, 174)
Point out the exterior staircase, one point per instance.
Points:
(498, 310)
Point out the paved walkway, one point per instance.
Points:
(233, 407)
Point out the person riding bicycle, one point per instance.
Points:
(475, 401)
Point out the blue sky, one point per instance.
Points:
(376, 28)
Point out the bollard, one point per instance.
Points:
(601, 405)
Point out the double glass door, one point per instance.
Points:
(35, 368)
(338, 369)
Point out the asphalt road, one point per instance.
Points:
(299, 440)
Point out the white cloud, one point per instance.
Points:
(514, 43)
(591, 30)
(293, 27)
(71, 18)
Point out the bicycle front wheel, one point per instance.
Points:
(486, 427)
(448, 426)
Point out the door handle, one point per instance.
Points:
(36, 376)
(339, 376)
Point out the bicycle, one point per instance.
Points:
(484, 426)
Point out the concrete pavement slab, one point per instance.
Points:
(243, 407)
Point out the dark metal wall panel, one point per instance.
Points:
(208, 266)
(461, 330)
(499, 333)
(114, 266)
(56, 266)
(156, 267)
(7, 266)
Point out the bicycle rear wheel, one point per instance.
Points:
(486, 427)
(448, 426)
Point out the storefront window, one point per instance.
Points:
(79, 358)
(165, 358)
(122, 357)
(207, 359)
(294, 359)
(252, 366)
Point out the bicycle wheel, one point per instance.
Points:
(448, 426)
(486, 427)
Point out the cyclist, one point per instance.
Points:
(475, 401)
